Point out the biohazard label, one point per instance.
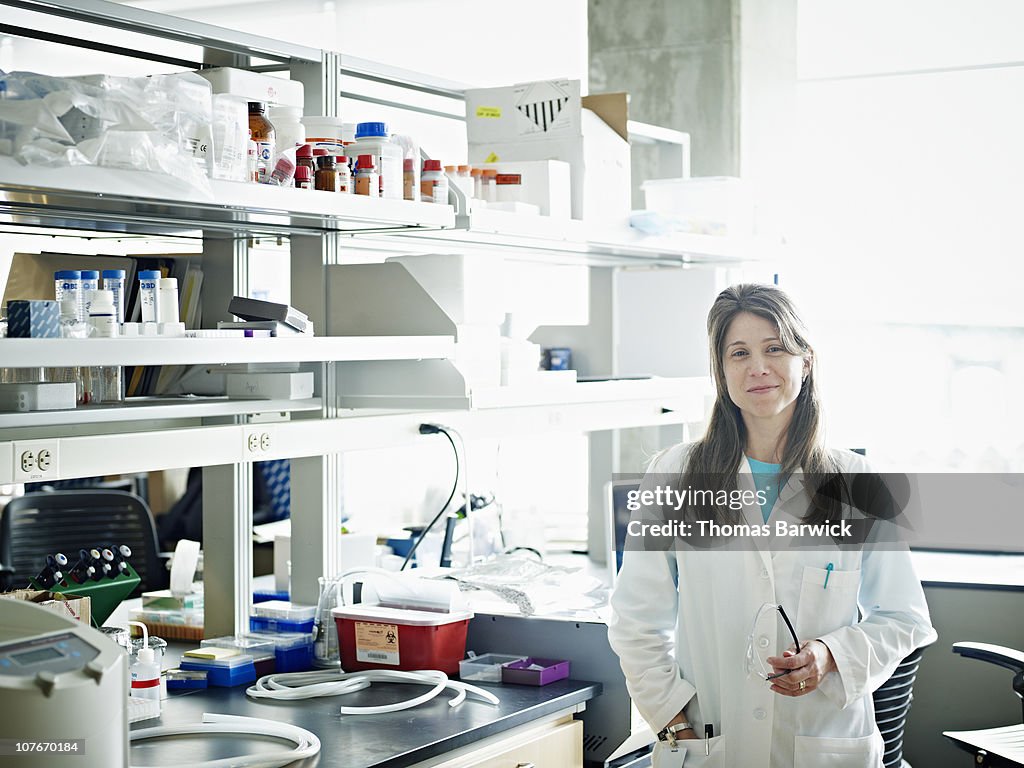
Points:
(376, 643)
(488, 111)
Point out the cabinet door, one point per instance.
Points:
(555, 745)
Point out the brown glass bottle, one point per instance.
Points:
(326, 174)
(265, 137)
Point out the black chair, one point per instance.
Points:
(37, 524)
(892, 706)
(994, 746)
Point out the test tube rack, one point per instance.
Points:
(104, 594)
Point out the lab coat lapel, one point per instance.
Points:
(752, 514)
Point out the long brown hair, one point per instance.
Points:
(713, 461)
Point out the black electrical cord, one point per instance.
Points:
(433, 429)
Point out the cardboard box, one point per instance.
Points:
(72, 606)
(548, 120)
(544, 183)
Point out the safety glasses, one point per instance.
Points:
(755, 666)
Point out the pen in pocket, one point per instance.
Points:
(828, 572)
(709, 733)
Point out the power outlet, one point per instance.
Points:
(36, 460)
(257, 442)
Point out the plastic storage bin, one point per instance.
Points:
(534, 671)
(378, 637)
(261, 648)
(710, 205)
(293, 651)
(226, 673)
(485, 668)
(281, 616)
(186, 679)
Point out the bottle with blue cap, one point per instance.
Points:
(90, 283)
(68, 282)
(113, 281)
(372, 139)
(149, 280)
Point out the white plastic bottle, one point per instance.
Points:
(146, 670)
(102, 315)
(288, 127)
(372, 139)
(167, 300)
(105, 383)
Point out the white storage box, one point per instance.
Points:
(544, 183)
(252, 86)
(708, 205)
(548, 120)
(270, 386)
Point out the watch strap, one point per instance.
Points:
(668, 733)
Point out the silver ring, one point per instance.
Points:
(803, 684)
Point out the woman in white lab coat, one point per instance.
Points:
(718, 692)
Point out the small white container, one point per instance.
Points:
(288, 126)
(167, 300)
(324, 132)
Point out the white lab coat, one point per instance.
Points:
(686, 647)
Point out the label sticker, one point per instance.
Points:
(491, 158)
(508, 178)
(377, 643)
(488, 111)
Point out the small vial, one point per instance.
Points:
(167, 300)
(433, 183)
(326, 174)
(344, 174)
(489, 186)
(253, 168)
(148, 294)
(476, 187)
(283, 173)
(113, 281)
(367, 181)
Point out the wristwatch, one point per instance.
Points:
(668, 733)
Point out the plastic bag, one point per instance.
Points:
(160, 124)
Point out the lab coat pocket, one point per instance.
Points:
(826, 605)
(835, 752)
(690, 754)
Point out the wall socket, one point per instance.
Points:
(36, 460)
(257, 442)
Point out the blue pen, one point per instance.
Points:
(828, 572)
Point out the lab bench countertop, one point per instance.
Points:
(361, 741)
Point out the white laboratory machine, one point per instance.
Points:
(63, 692)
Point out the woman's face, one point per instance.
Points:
(763, 379)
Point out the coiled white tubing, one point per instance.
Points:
(293, 686)
(306, 743)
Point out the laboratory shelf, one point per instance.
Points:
(55, 353)
(156, 408)
(525, 235)
(140, 202)
(126, 451)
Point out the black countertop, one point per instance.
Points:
(359, 741)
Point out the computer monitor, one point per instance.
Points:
(617, 519)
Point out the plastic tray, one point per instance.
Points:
(282, 609)
(226, 673)
(186, 679)
(534, 671)
(293, 651)
(268, 624)
(485, 668)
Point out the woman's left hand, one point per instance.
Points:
(807, 668)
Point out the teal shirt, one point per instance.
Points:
(767, 478)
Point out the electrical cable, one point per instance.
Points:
(306, 743)
(295, 686)
(432, 429)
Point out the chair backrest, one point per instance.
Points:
(892, 705)
(37, 524)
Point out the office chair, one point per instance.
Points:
(892, 706)
(37, 524)
(994, 746)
